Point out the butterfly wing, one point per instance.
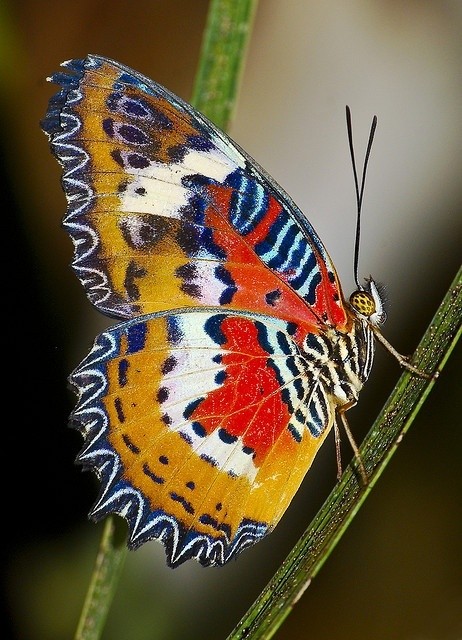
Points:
(203, 411)
(165, 211)
(200, 427)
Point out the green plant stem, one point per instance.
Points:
(108, 567)
(278, 598)
(221, 61)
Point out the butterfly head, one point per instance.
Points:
(368, 302)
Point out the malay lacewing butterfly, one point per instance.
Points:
(236, 352)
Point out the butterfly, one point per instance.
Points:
(236, 352)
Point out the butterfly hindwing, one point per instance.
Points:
(198, 422)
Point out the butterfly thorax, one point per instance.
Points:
(342, 360)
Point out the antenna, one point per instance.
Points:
(359, 191)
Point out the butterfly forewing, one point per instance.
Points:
(166, 212)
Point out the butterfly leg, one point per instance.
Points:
(354, 446)
(338, 453)
(403, 360)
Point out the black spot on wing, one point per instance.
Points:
(132, 273)
(130, 444)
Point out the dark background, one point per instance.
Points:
(397, 572)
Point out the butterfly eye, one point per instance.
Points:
(369, 303)
(363, 303)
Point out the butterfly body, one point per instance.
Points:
(202, 411)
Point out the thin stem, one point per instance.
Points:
(222, 59)
(106, 573)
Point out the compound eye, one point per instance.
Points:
(363, 302)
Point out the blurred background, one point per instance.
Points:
(397, 573)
